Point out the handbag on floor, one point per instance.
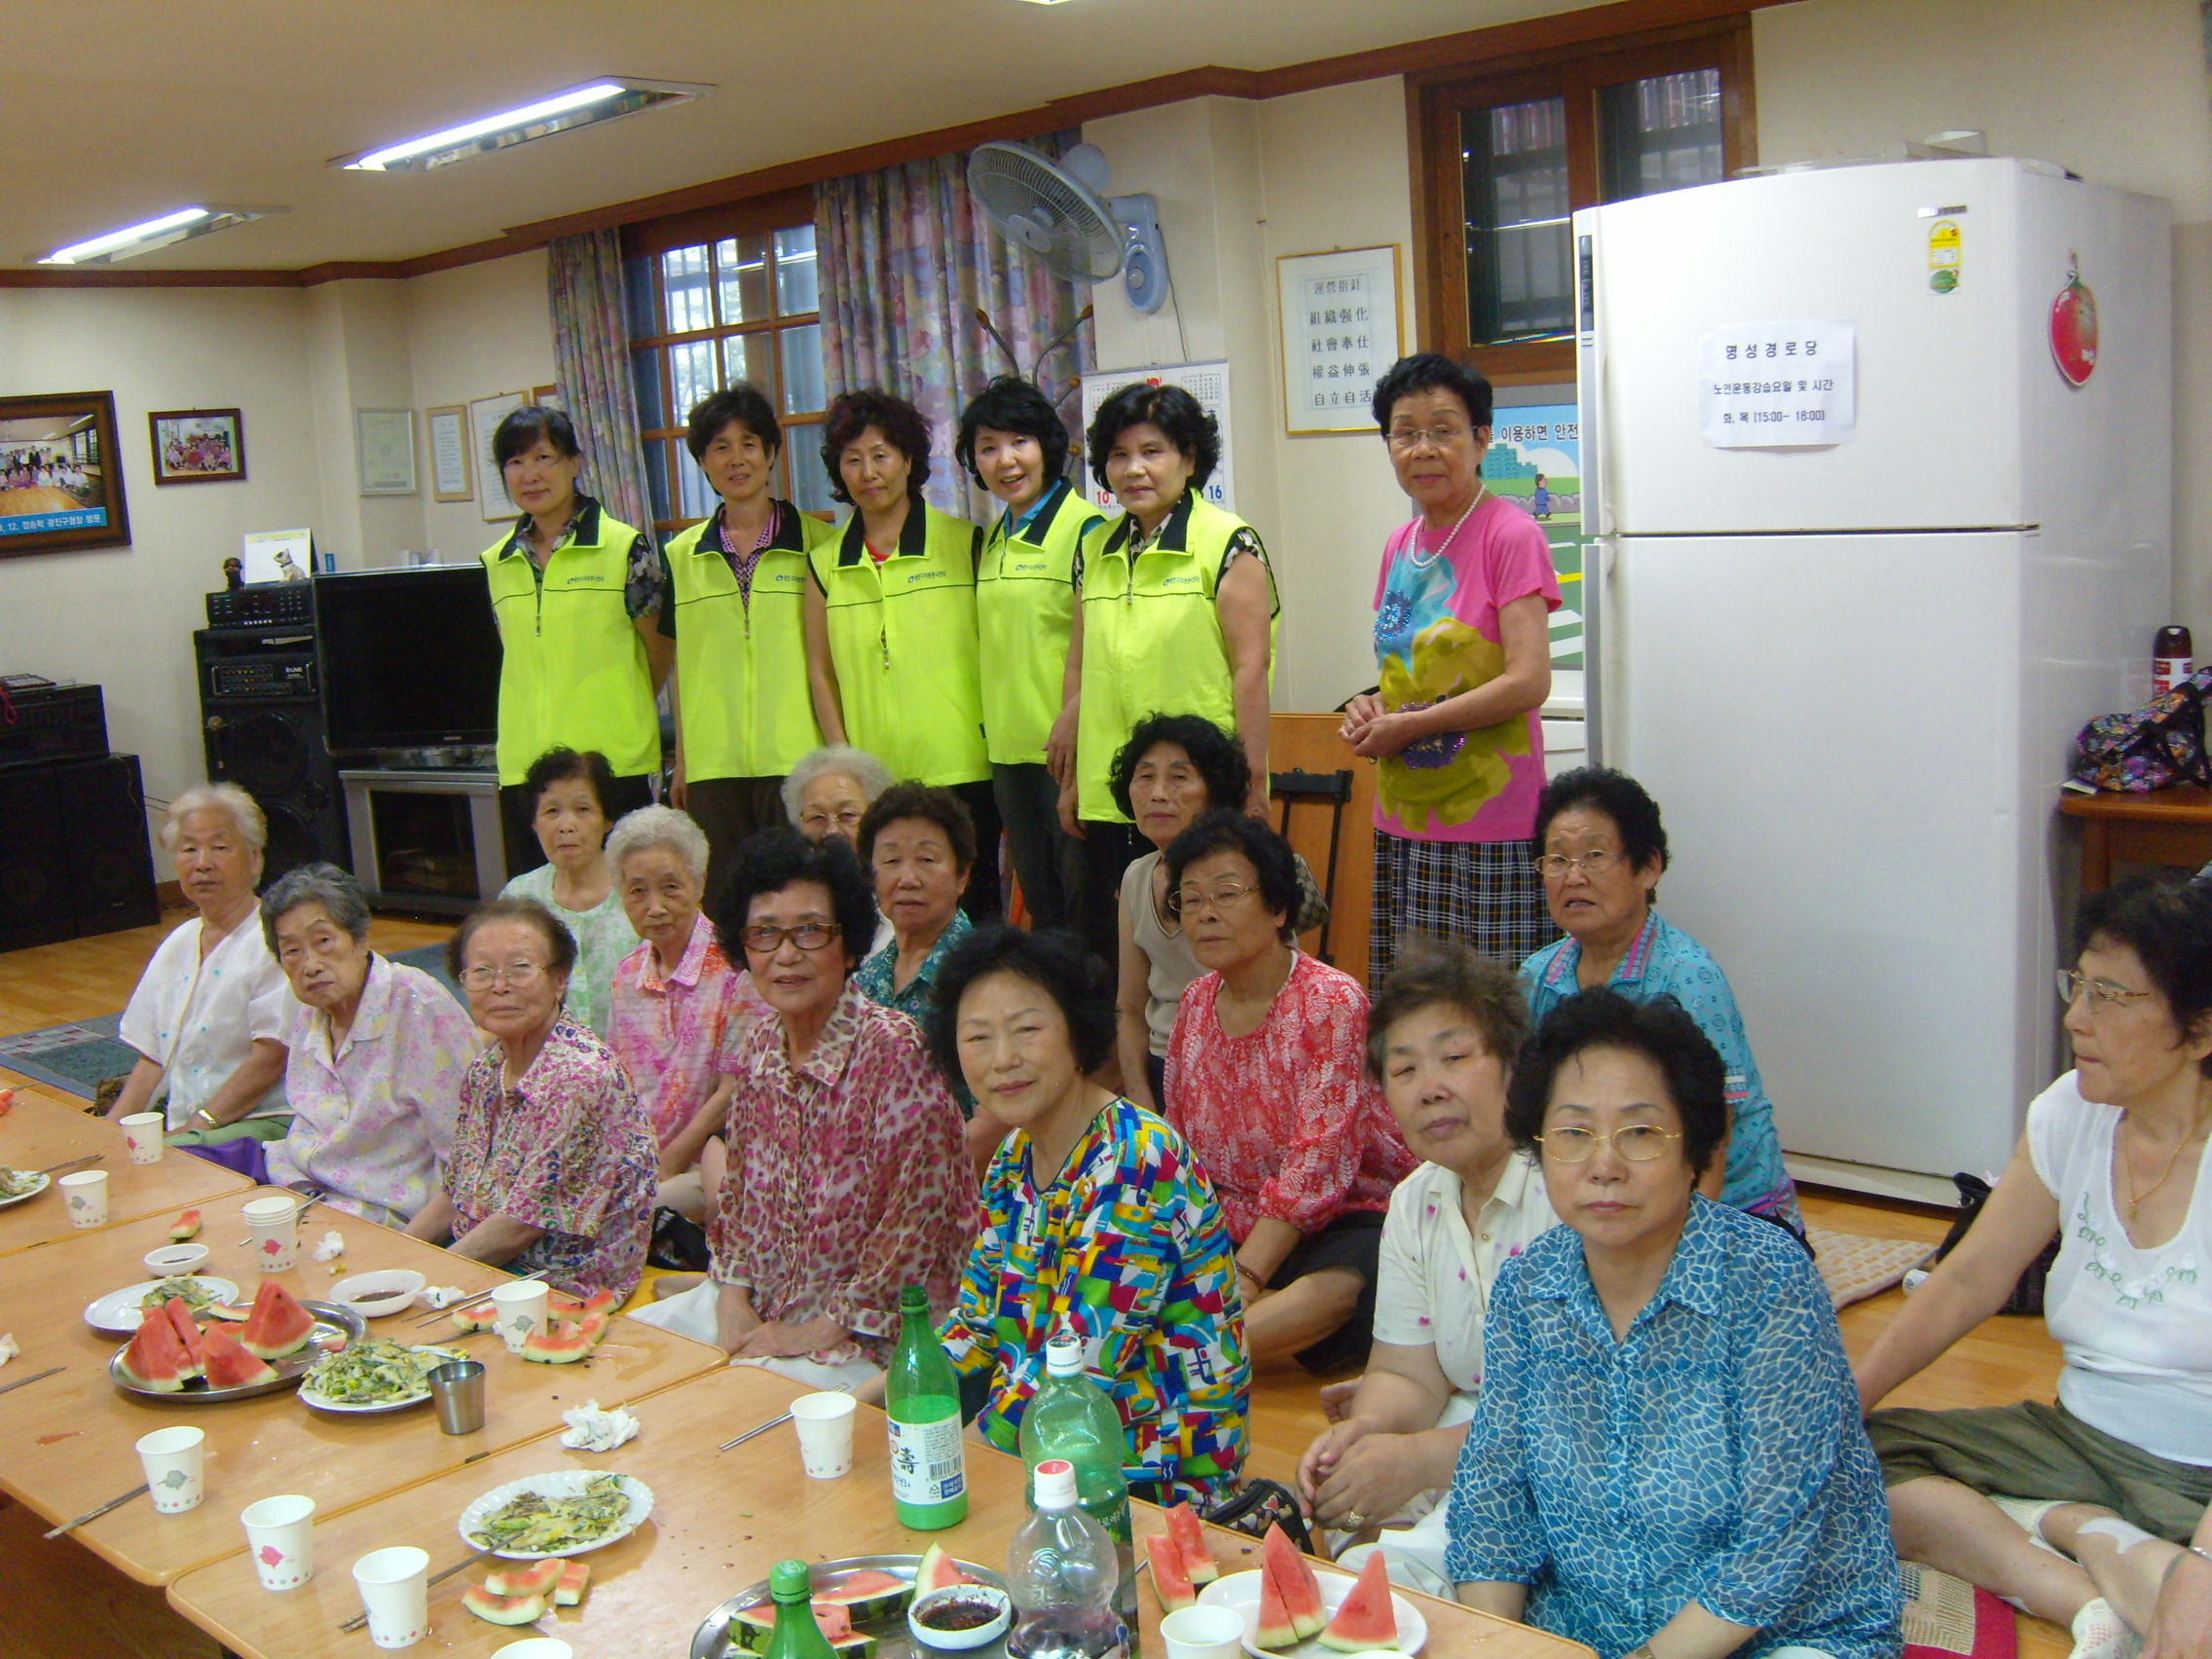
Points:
(2027, 1294)
(678, 1245)
(1255, 1506)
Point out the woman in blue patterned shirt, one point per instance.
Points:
(1095, 1215)
(1666, 1459)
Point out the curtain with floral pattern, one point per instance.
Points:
(591, 361)
(906, 258)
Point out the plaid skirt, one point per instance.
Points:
(1485, 894)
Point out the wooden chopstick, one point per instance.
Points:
(94, 1514)
(361, 1618)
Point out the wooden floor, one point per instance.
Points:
(62, 1602)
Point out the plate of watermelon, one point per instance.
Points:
(1290, 1612)
(175, 1357)
(860, 1603)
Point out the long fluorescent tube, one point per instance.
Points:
(560, 112)
(180, 225)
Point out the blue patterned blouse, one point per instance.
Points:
(1666, 962)
(1714, 1456)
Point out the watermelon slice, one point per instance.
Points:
(1290, 1596)
(751, 1626)
(156, 1358)
(229, 1311)
(278, 1325)
(1169, 1581)
(867, 1595)
(229, 1365)
(503, 1610)
(574, 1576)
(1191, 1541)
(186, 1227)
(569, 1307)
(1366, 1619)
(178, 1312)
(525, 1577)
(938, 1571)
(481, 1317)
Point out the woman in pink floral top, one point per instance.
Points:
(1266, 1080)
(853, 1182)
(553, 1163)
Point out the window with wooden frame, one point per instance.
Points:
(718, 296)
(1503, 157)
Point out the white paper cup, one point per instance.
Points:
(520, 1308)
(273, 1225)
(144, 1130)
(84, 1195)
(536, 1647)
(175, 1460)
(395, 1593)
(825, 1423)
(280, 1535)
(1203, 1633)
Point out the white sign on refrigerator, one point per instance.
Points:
(1776, 384)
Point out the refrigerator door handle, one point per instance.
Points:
(1590, 374)
(1597, 559)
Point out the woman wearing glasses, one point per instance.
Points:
(1266, 1080)
(553, 1165)
(1667, 1456)
(2102, 1524)
(1462, 647)
(1603, 850)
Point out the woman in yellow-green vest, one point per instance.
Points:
(890, 649)
(1178, 612)
(1012, 442)
(577, 593)
(736, 610)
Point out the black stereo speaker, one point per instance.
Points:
(75, 861)
(261, 723)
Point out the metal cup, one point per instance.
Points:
(458, 1387)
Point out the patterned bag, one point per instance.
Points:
(2160, 743)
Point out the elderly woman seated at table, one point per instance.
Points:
(569, 795)
(209, 1014)
(1602, 850)
(553, 1161)
(919, 844)
(2092, 1511)
(1441, 1040)
(677, 1002)
(852, 1183)
(1265, 1080)
(830, 788)
(378, 1049)
(1096, 1219)
(1665, 1457)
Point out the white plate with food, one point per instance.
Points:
(118, 1312)
(1240, 1592)
(373, 1375)
(21, 1186)
(564, 1513)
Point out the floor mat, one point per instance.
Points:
(1948, 1619)
(1855, 1268)
(76, 1058)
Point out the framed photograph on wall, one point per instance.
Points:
(452, 479)
(198, 446)
(60, 474)
(1341, 332)
(383, 451)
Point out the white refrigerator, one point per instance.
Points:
(1866, 557)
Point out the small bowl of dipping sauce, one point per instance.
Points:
(172, 1260)
(960, 1616)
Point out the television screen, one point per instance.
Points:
(409, 657)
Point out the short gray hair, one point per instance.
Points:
(652, 829)
(858, 765)
(338, 893)
(217, 798)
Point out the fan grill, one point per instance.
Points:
(1037, 205)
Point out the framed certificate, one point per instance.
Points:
(484, 417)
(1340, 333)
(383, 451)
(450, 476)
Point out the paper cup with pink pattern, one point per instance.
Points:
(280, 1535)
(273, 1228)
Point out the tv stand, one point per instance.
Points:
(425, 839)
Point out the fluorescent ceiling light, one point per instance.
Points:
(180, 225)
(560, 112)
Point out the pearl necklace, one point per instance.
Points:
(1421, 563)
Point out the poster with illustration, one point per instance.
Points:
(1535, 464)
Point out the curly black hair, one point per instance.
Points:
(1660, 1030)
(743, 403)
(1228, 831)
(1620, 797)
(1009, 404)
(775, 858)
(1057, 963)
(929, 803)
(904, 427)
(1175, 412)
(2167, 920)
(563, 765)
(1432, 371)
(1219, 758)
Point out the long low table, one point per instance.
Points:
(66, 1444)
(37, 1131)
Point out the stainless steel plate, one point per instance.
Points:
(330, 1320)
(894, 1640)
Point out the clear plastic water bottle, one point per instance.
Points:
(1071, 1416)
(1062, 1574)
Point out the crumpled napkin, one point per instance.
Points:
(10, 1347)
(438, 1296)
(591, 1429)
(333, 1246)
